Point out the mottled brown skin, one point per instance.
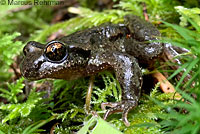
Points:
(121, 47)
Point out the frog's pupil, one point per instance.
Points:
(55, 51)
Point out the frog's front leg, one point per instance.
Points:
(128, 74)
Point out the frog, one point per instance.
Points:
(124, 48)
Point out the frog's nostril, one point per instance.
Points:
(32, 46)
(28, 49)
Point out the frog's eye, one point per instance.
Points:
(55, 51)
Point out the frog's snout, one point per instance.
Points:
(31, 46)
(28, 70)
(32, 61)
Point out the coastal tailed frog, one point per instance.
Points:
(123, 48)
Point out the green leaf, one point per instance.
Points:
(182, 31)
(188, 69)
(101, 127)
(34, 127)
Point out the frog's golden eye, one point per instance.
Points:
(55, 51)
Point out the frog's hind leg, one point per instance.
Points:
(170, 53)
(140, 44)
(141, 29)
(129, 76)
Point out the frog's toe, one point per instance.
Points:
(124, 107)
(169, 54)
(109, 104)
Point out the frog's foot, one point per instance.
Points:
(170, 52)
(124, 106)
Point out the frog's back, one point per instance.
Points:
(102, 37)
(131, 37)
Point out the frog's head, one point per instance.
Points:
(54, 60)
